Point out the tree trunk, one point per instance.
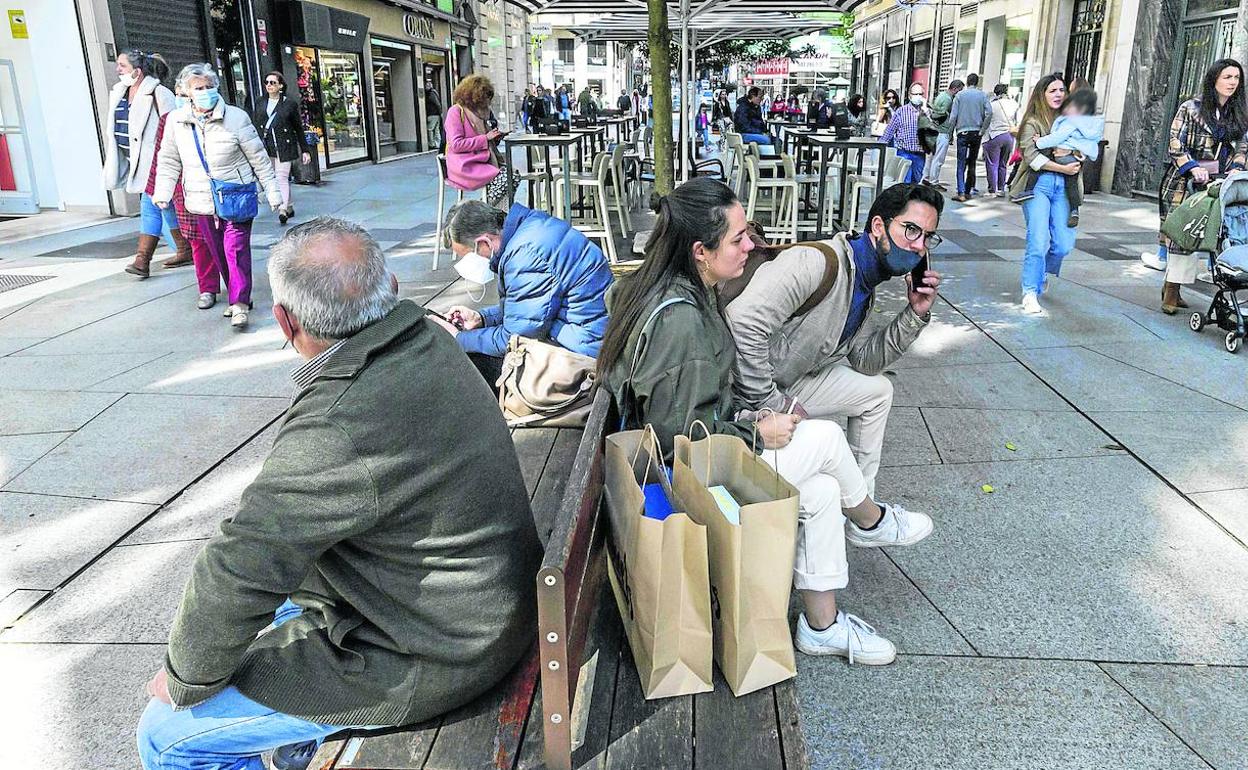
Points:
(660, 40)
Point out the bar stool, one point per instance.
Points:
(784, 195)
(598, 181)
(460, 192)
(895, 170)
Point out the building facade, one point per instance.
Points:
(563, 59)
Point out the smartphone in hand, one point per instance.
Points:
(918, 274)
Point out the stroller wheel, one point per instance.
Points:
(1197, 321)
(1232, 342)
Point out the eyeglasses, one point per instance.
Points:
(913, 232)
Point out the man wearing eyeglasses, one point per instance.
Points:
(827, 361)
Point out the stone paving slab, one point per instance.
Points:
(950, 339)
(1191, 363)
(975, 386)
(981, 435)
(49, 411)
(74, 372)
(1165, 440)
(18, 452)
(261, 370)
(1097, 383)
(18, 603)
(197, 513)
(1230, 509)
(79, 704)
(146, 447)
(1206, 706)
(907, 441)
(69, 309)
(129, 596)
(973, 714)
(1093, 558)
(44, 540)
(13, 344)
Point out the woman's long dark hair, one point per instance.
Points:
(695, 211)
(1232, 118)
(856, 104)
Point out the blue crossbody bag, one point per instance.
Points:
(232, 201)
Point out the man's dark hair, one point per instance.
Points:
(1084, 99)
(956, 85)
(754, 91)
(894, 200)
(972, 80)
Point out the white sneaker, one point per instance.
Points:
(848, 637)
(1031, 304)
(1152, 259)
(897, 527)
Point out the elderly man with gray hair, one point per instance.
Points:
(403, 585)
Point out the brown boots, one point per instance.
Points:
(142, 264)
(183, 255)
(1171, 301)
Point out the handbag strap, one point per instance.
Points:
(199, 149)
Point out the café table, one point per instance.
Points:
(621, 125)
(562, 143)
(828, 143)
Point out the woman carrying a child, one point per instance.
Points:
(1041, 186)
(1206, 141)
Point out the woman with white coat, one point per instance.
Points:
(135, 106)
(213, 141)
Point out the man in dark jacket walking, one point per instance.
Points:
(402, 555)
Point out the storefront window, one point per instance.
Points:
(1014, 59)
(227, 31)
(343, 98)
(962, 54)
(1198, 7)
(310, 98)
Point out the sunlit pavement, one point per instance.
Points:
(1082, 603)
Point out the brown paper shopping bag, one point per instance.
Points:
(658, 572)
(751, 562)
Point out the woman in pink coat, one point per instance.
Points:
(472, 160)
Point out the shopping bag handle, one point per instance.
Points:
(656, 454)
(707, 431)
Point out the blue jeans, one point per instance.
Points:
(917, 161)
(153, 220)
(759, 139)
(968, 156)
(229, 731)
(1049, 240)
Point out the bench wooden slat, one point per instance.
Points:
(550, 489)
(406, 748)
(532, 450)
(792, 740)
(645, 734)
(327, 754)
(736, 732)
(486, 733)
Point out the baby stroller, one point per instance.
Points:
(1228, 266)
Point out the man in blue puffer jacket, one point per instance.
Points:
(552, 282)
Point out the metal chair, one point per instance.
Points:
(783, 204)
(599, 226)
(460, 193)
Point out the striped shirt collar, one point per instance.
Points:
(305, 374)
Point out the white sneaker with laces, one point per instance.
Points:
(1031, 304)
(897, 527)
(850, 637)
(1153, 259)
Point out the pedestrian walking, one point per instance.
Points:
(1000, 144)
(216, 144)
(902, 133)
(1049, 235)
(1206, 141)
(586, 105)
(941, 106)
(889, 103)
(278, 123)
(207, 275)
(970, 116)
(623, 104)
(137, 103)
(433, 117)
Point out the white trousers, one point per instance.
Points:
(819, 463)
(283, 179)
(864, 401)
(937, 158)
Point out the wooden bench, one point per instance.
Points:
(588, 710)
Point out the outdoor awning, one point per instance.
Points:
(696, 7)
(707, 29)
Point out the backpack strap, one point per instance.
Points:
(831, 271)
(627, 386)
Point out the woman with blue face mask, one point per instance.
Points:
(552, 281)
(216, 142)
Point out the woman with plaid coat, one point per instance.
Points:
(1207, 139)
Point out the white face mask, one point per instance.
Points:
(916, 100)
(128, 78)
(474, 268)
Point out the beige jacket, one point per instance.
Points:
(231, 146)
(775, 350)
(151, 100)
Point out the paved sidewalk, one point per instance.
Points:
(1091, 611)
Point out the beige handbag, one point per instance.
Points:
(544, 385)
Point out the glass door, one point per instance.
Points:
(383, 107)
(342, 95)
